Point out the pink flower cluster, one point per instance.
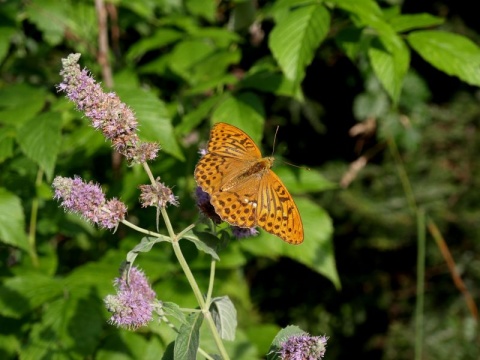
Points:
(132, 306)
(107, 113)
(88, 200)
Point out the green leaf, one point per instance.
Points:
(154, 121)
(390, 63)
(293, 41)
(204, 242)
(6, 34)
(145, 245)
(408, 22)
(6, 143)
(74, 323)
(245, 111)
(21, 294)
(49, 16)
(188, 339)
(12, 220)
(351, 41)
(225, 317)
(451, 53)
(203, 8)
(20, 103)
(303, 180)
(173, 310)
(188, 54)
(192, 119)
(388, 54)
(271, 82)
(40, 140)
(365, 12)
(161, 38)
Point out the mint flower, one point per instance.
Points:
(241, 233)
(303, 347)
(132, 306)
(106, 112)
(158, 195)
(88, 200)
(205, 207)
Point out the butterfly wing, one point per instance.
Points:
(238, 206)
(228, 140)
(214, 170)
(276, 210)
(230, 152)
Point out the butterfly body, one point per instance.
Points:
(244, 191)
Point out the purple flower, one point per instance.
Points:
(132, 306)
(241, 233)
(303, 347)
(158, 195)
(107, 113)
(205, 207)
(88, 200)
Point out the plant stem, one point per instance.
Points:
(419, 305)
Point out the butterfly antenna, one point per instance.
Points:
(275, 140)
(287, 163)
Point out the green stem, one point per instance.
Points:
(210, 283)
(32, 240)
(204, 306)
(420, 284)
(402, 174)
(142, 230)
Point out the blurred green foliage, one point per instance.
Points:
(402, 78)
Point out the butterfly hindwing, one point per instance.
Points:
(277, 212)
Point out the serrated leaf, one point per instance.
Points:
(204, 242)
(20, 295)
(188, 339)
(40, 140)
(408, 22)
(224, 315)
(154, 120)
(390, 63)
(49, 16)
(12, 221)
(388, 54)
(173, 310)
(245, 111)
(293, 41)
(451, 53)
(20, 103)
(145, 245)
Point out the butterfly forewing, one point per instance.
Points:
(227, 140)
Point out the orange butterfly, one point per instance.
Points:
(244, 191)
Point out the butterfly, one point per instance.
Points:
(243, 189)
